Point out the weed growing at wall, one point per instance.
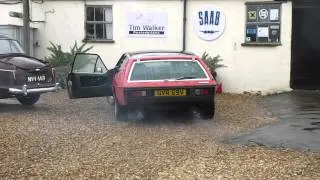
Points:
(213, 63)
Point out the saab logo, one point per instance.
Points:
(209, 23)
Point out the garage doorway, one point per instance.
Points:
(305, 65)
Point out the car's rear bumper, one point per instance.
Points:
(25, 90)
(170, 102)
(150, 101)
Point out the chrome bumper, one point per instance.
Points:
(26, 91)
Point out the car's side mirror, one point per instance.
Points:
(98, 69)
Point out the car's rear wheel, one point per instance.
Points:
(207, 111)
(29, 99)
(120, 112)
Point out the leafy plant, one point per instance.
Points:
(60, 59)
(213, 63)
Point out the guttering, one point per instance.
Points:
(184, 25)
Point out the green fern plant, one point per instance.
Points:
(58, 57)
(213, 63)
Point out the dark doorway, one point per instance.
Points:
(305, 66)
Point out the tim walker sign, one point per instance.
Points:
(209, 23)
(147, 24)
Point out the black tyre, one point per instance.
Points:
(120, 112)
(207, 111)
(29, 99)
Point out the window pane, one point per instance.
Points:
(90, 31)
(84, 63)
(100, 64)
(99, 14)
(16, 47)
(108, 14)
(90, 14)
(160, 70)
(109, 31)
(100, 33)
(5, 46)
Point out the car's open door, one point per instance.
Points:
(89, 77)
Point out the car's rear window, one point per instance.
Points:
(167, 69)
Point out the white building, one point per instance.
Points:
(263, 64)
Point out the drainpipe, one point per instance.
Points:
(26, 26)
(184, 25)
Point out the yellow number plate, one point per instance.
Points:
(171, 92)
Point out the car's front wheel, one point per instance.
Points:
(120, 112)
(29, 99)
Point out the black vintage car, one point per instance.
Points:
(22, 76)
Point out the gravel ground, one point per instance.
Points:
(79, 139)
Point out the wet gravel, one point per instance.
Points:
(60, 138)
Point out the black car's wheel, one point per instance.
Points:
(29, 99)
(207, 111)
(120, 112)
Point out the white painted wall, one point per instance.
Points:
(265, 69)
(13, 27)
(4, 14)
(66, 25)
(35, 14)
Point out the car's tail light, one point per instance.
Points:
(138, 93)
(200, 92)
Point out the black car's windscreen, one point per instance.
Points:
(167, 69)
(8, 46)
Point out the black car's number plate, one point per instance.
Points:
(37, 78)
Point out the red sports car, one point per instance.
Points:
(146, 80)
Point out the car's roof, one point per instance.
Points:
(138, 54)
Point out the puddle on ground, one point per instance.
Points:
(316, 126)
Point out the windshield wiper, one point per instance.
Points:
(186, 77)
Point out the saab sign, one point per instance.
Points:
(209, 23)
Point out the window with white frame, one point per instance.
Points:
(99, 23)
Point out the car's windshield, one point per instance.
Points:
(8, 46)
(167, 69)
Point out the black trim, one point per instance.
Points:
(97, 41)
(261, 44)
(266, 2)
(133, 53)
(171, 103)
